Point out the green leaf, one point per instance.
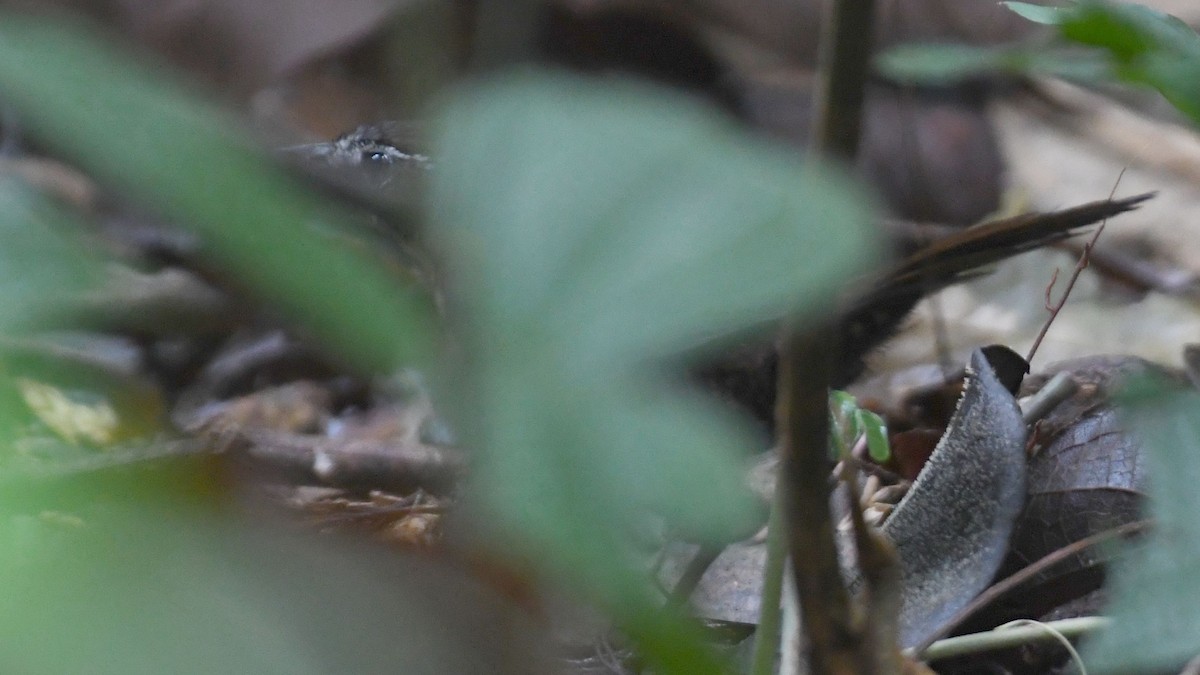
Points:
(844, 424)
(1178, 80)
(621, 220)
(1155, 585)
(945, 63)
(1132, 43)
(939, 63)
(42, 262)
(1147, 47)
(134, 128)
(877, 436)
(156, 585)
(594, 229)
(1039, 13)
(1128, 30)
(1104, 26)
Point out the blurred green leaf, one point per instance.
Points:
(1037, 13)
(877, 435)
(134, 128)
(44, 266)
(848, 422)
(1155, 587)
(595, 229)
(1129, 43)
(844, 425)
(1095, 27)
(1146, 47)
(42, 262)
(162, 586)
(933, 63)
(1128, 30)
(948, 63)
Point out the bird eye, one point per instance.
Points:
(378, 157)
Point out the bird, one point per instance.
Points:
(383, 157)
(747, 374)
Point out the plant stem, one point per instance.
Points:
(845, 64)
(833, 644)
(804, 478)
(766, 636)
(1003, 638)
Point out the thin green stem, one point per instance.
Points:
(1004, 638)
(766, 637)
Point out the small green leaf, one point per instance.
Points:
(844, 427)
(1038, 13)
(877, 435)
(842, 403)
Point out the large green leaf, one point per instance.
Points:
(119, 577)
(1156, 586)
(593, 229)
(132, 127)
(623, 224)
(159, 585)
(42, 263)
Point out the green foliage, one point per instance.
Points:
(848, 422)
(41, 261)
(940, 64)
(144, 584)
(877, 438)
(1124, 42)
(592, 231)
(136, 130)
(1156, 584)
(41, 264)
(1036, 13)
(157, 585)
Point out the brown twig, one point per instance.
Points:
(1080, 266)
(883, 587)
(834, 641)
(828, 623)
(366, 465)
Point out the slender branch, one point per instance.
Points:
(805, 368)
(806, 365)
(880, 566)
(845, 65)
(1060, 388)
(766, 636)
(1004, 638)
(1084, 259)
